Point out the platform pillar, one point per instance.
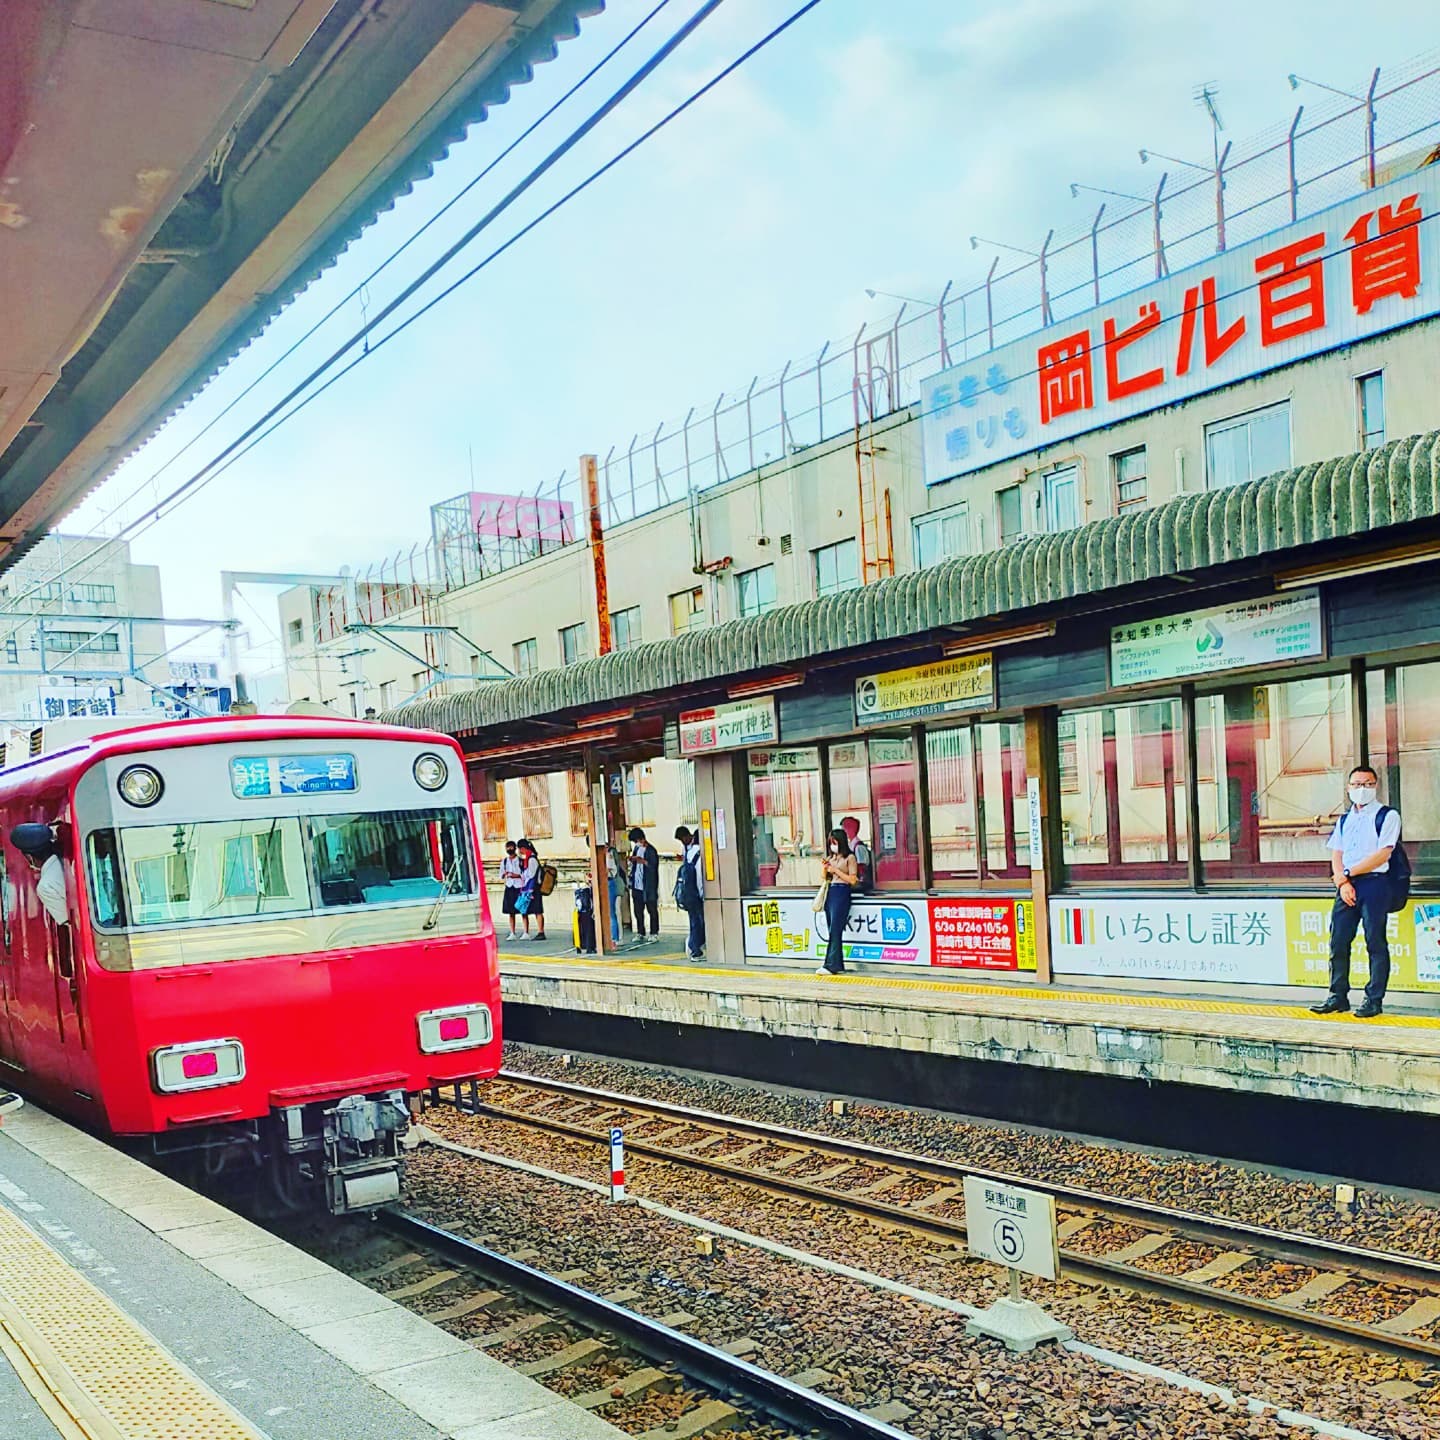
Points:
(721, 816)
(1042, 769)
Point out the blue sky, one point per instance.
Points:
(862, 149)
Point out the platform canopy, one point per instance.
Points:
(1382, 497)
(172, 172)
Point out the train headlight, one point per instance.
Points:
(140, 786)
(459, 1027)
(198, 1065)
(431, 772)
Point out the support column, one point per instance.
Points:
(1041, 768)
(599, 837)
(723, 815)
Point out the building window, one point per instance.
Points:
(574, 644)
(687, 610)
(1122, 795)
(640, 795)
(527, 657)
(103, 643)
(535, 807)
(625, 627)
(492, 817)
(1062, 499)
(837, 567)
(1011, 506)
(578, 796)
(942, 536)
(295, 634)
(1370, 395)
(1248, 447)
(1132, 479)
(94, 594)
(355, 703)
(756, 590)
(418, 681)
(786, 817)
(387, 694)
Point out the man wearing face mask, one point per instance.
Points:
(1360, 847)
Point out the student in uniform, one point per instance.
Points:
(511, 871)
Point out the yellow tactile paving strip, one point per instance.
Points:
(103, 1377)
(1112, 999)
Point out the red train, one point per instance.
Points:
(249, 941)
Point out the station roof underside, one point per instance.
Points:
(1349, 498)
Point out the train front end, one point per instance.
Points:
(290, 942)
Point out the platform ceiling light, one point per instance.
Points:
(971, 644)
(431, 772)
(140, 786)
(1303, 577)
(747, 688)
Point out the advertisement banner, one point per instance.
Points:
(969, 933)
(1227, 637)
(1354, 270)
(957, 932)
(1244, 941)
(731, 726)
(944, 688)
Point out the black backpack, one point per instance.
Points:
(687, 884)
(1398, 875)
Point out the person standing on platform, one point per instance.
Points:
(645, 886)
(612, 888)
(690, 891)
(843, 875)
(511, 871)
(864, 861)
(1360, 848)
(530, 901)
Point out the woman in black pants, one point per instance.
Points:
(844, 874)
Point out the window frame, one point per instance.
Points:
(698, 616)
(851, 546)
(537, 821)
(1363, 432)
(525, 656)
(631, 617)
(763, 606)
(1070, 473)
(1118, 481)
(582, 650)
(1247, 419)
(958, 514)
(1007, 492)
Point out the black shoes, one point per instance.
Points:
(9, 1102)
(1369, 1010)
(1334, 1005)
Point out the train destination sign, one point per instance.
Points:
(1227, 637)
(944, 688)
(257, 777)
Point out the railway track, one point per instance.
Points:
(1343, 1292)
(644, 1375)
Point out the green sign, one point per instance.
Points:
(1209, 642)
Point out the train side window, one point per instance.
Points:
(107, 897)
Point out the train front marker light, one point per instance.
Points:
(431, 772)
(140, 786)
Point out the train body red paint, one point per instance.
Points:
(275, 935)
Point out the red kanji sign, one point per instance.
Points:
(1201, 298)
(1292, 301)
(1067, 378)
(1117, 340)
(1388, 264)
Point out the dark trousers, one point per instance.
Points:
(642, 908)
(1371, 893)
(696, 912)
(837, 912)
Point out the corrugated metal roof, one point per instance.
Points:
(1352, 495)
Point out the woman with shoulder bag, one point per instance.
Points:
(841, 875)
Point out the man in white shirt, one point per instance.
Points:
(1360, 847)
(36, 842)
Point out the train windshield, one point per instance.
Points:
(225, 869)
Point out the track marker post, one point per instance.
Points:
(617, 1163)
(1014, 1228)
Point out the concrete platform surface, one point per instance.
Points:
(1263, 1047)
(144, 1299)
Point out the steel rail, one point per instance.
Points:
(1386, 1265)
(806, 1411)
(1094, 1266)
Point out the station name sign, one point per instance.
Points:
(1351, 271)
(1228, 637)
(736, 725)
(944, 688)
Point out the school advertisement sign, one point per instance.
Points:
(956, 933)
(1242, 941)
(946, 687)
(1227, 637)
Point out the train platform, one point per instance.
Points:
(132, 1308)
(1000, 1036)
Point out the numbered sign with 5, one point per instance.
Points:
(1012, 1227)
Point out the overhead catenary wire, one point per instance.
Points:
(297, 399)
